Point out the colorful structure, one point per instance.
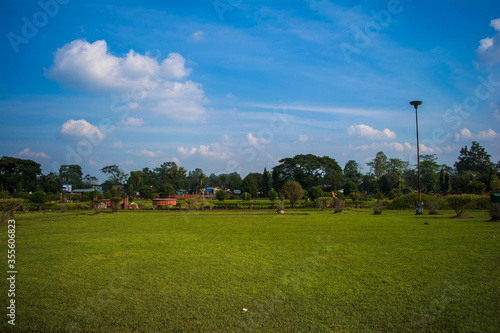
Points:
(164, 202)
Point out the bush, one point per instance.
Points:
(324, 203)
(8, 208)
(50, 205)
(476, 187)
(221, 195)
(192, 203)
(293, 191)
(378, 207)
(433, 207)
(115, 204)
(314, 193)
(409, 201)
(23, 195)
(339, 206)
(494, 210)
(355, 196)
(39, 197)
(272, 195)
(209, 205)
(460, 203)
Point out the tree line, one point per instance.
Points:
(473, 172)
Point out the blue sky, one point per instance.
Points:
(232, 85)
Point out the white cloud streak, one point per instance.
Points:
(27, 153)
(370, 133)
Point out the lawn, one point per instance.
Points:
(167, 271)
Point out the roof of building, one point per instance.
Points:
(86, 190)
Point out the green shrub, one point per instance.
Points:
(209, 205)
(51, 205)
(476, 187)
(338, 206)
(314, 193)
(409, 201)
(23, 195)
(8, 208)
(221, 195)
(494, 210)
(39, 197)
(433, 207)
(115, 204)
(272, 195)
(192, 203)
(460, 203)
(378, 207)
(324, 203)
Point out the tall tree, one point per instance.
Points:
(89, 181)
(267, 182)
(71, 174)
(352, 172)
(308, 170)
(49, 183)
(378, 165)
(116, 175)
(196, 180)
(396, 166)
(475, 159)
(170, 173)
(249, 185)
(14, 171)
(428, 172)
(234, 181)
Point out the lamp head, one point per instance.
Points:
(416, 103)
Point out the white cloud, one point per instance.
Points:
(303, 138)
(187, 152)
(144, 153)
(148, 83)
(423, 148)
(485, 43)
(81, 128)
(489, 47)
(176, 160)
(252, 140)
(388, 145)
(117, 144)
(174, 67)
(495, 24)
(198, 35)
(205, 151)
(362, 147)
(131, 121)
(31, 154)
(466, 134)
(257, 142)
(370, 133)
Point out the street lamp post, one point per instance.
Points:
(420, 208)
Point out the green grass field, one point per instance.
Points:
(187, 272)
